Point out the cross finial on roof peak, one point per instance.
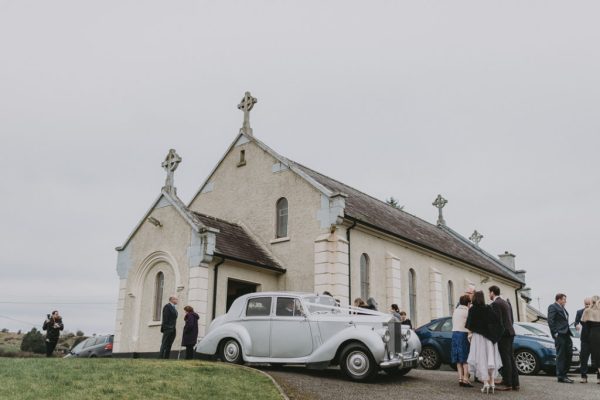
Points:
(439, 203)
(476, 237)
(170, 165)
(246, 106)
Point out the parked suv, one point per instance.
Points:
(97, 346)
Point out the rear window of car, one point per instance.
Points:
(446, 326)
(288, 307)
(258, 307)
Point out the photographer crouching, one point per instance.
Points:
(52, 325)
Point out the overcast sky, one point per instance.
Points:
(493, 104)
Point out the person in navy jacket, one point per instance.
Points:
(167, 327)
(558, 322)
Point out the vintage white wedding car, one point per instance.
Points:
(312, 330)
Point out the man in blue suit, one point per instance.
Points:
(167, 327)
(558, 322)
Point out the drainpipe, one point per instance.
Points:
(215, 279)
(349, 263)
(518, 301)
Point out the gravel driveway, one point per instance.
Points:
(303, 384)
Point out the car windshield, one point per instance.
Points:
(321, 305)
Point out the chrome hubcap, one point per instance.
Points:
(429, 358)
(231, 351)
(525, 362)
(357, 363)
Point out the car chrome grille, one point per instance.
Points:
(396, 342)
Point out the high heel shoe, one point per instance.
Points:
(486, 388)
(493, 388)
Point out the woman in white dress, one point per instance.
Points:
(486, 329)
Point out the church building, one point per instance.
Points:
(262, 222)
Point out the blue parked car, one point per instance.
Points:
(533, 352)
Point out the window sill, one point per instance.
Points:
(154, 323)
(280, 240)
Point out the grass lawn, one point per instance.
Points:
(41, 378)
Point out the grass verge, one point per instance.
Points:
(24, 379)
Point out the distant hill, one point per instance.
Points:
(10, 344)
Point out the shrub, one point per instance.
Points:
(79, 333)
(4, 330)
(33, 341)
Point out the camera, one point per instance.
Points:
(48, 316)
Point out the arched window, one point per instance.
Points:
(450, 297)
(159, 284)
(282, 218)
(364, 276)
(412, 296)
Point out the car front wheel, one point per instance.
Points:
(527, 362)
(231, 352)
(357, 362)
(431, 358)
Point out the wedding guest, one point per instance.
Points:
(372, 304)
(485, 327)
(558, 322)
(395, 312)
(190, 332)
(404, 319)
(584, 353)
(502, 308)
(460, 340)
(167, 327)
(591, 317)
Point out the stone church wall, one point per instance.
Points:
(152, 249)
(389, 258)
(248, 194)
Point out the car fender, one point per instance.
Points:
(431, 342)
(533, 347)
(209, 344)
(364, 334)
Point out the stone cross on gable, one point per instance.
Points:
(476, 237)
(439, 203)
(246, 106)
(170, 165)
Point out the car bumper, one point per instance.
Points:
(402, 361)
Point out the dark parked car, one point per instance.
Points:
(532, 352)
(97, 346)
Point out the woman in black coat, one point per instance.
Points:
(485, 330)
(190, 332)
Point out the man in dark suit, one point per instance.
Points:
(167, 327)
(558, 322)
(585, 344)
(502, 308)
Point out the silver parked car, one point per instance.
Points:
(311, 330)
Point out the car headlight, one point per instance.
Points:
(386, 337)
(548, 345)
(406, 336)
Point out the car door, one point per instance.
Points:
(257, 321)
(443, 335)
(291, 335)
(86, 347)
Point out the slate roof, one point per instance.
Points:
(378, 214)
(233, 242)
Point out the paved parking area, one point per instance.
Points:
(303, 384)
